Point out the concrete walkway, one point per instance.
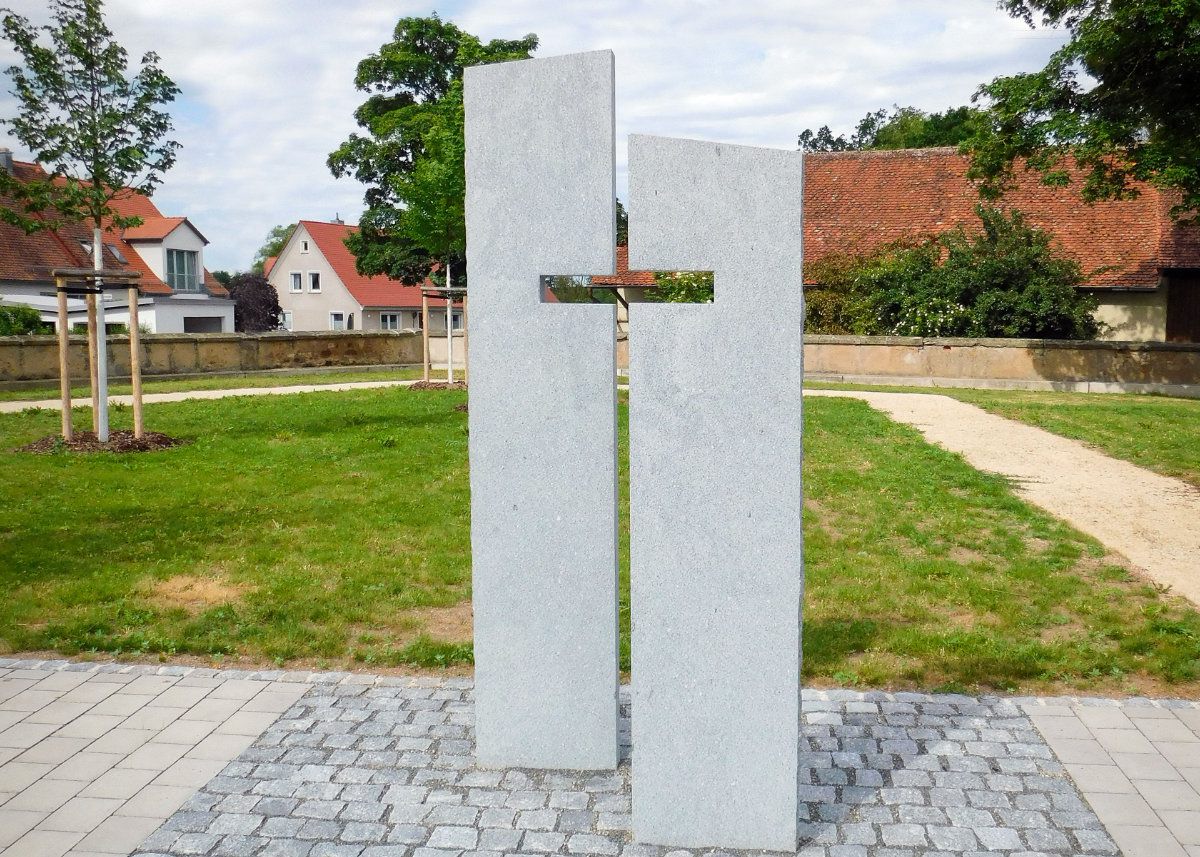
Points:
(185, 395)
(112, 759)
(1149, 519)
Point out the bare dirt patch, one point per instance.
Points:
(449, 624)
(118, 441)
(194, 594)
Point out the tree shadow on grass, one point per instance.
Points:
(828, 643)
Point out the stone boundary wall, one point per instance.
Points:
(1033, 364)
(35, 358)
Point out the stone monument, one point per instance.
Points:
(715, 502)
(715, 434)
(543, 427)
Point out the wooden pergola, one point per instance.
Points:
(89, 283)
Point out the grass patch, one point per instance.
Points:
(1160, 433)
(333, 529)
(224, 382)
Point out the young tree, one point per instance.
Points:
(1119, 99)
(277, 238)
(98, 131)
(255, 303)
(411, 156)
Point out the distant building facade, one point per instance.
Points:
(1143, 268)
(178, 295)
(319, 287)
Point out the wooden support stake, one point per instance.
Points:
(93, 362)
(64, 371)
(135, 363)
(466, 350)
(425, 335)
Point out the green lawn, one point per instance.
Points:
(227, 382)
(331, 529)
(1159, 433)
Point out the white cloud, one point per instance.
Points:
(268, 84)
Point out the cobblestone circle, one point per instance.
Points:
(379, 771)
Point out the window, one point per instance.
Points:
(303, 246)
(417, 321)
(285, 319)
(458, 321)
(181, 271)
(389, 321)
(337, 321)
(350, 321)
(314, 281)
(297, 281)
(117, 254)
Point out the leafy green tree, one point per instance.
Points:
(277, 239)
(222, 277)
(1119, 100)
(1005, 280)
(622, 225)
(682, 287)
(20, 321)
(98, 130)
(410, 155)
(95, 129)
(902, 128)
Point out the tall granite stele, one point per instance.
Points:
(715, 440)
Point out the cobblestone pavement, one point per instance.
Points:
(387, 772)
(104, 759)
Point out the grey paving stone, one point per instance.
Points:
(888, 803)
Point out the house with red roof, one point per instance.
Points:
(178, 295)
(1142, 266)
(320, 288)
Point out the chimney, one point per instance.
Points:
(6, 161)
(337, 218)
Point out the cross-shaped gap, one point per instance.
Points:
(625, 287)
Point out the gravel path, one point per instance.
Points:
(185, 395)
(1152, 520)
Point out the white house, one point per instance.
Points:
(178, 295)
(320, 289)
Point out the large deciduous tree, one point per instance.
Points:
(410, 155)
(1118, 101)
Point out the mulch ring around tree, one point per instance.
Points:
(118, 441)
(437, 385)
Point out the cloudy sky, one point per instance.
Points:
(268, 84)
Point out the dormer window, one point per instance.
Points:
(182, 268)
(117, 254)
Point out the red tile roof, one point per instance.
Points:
(624, 276)
(269, 264)
(856, 201)
(30, 258)
(153, 228)
(373, 291)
